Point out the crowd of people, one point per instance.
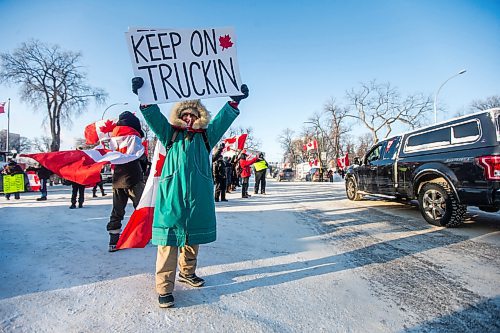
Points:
(229, 173)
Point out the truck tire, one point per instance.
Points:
(439, 205)
(352, 190)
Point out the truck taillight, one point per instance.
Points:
(491, 166)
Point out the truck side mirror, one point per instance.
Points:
(357, 161)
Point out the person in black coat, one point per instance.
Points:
(128, 183)
(219, 172)
(229, 173)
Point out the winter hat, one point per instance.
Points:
(127, 118)
(193, 106)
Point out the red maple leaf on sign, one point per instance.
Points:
(108, 127)
(225, 42)
(159, 165)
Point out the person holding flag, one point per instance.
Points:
(184, 214)
(245, 173)
(128, 178)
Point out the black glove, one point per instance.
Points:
(137, 83)
(244, 91)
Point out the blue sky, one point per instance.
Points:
(294, 55)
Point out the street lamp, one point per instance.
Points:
(437, 93)
(111, 106)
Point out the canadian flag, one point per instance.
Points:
(2, 107)
(235, 143)
(84, 166)
(138, 231)
(99, 130)
(311, 145)
(343, 162)
(34, 180)
(314, 163)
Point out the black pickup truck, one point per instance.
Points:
(446, 166)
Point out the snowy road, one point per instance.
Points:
(302, 259)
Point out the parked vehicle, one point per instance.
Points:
(317, 175)
(285, 174)
(446, 166)
(302, 171)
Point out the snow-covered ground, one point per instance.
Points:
(301, 259)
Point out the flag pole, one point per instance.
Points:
(8, 124)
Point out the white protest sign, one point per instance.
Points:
(184, 64)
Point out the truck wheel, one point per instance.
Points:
(439, 205)
(352, 190)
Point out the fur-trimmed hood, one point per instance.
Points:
(194, 105)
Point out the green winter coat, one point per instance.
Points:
(184, 209)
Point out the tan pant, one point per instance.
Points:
(166, 264)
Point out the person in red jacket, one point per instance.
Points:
(245, 173)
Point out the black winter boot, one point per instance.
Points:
(166, 301)
(113, 240)
(192, 279)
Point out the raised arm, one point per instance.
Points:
(154, 118)
(223, 120)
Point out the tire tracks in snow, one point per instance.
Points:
(404, 272)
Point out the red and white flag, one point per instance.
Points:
(138, 231)
(314, 163)
(343, 162)
(312, 145)
(82, 166)
(235, 143)
(34, 180)
(2, 107)
(126, 140)
(100, 130)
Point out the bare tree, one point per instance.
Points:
(41, 144)
(52, 77)
(379, 107)
(488, 103)
(251, 142)
(338, 128)
(365, 141)
(23, 145)
(348, 145)
(293, 151)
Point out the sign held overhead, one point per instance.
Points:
(184, 64)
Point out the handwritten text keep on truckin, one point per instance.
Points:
(178, 77)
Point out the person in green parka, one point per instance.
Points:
(184, 215)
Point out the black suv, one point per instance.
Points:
(446, 166)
